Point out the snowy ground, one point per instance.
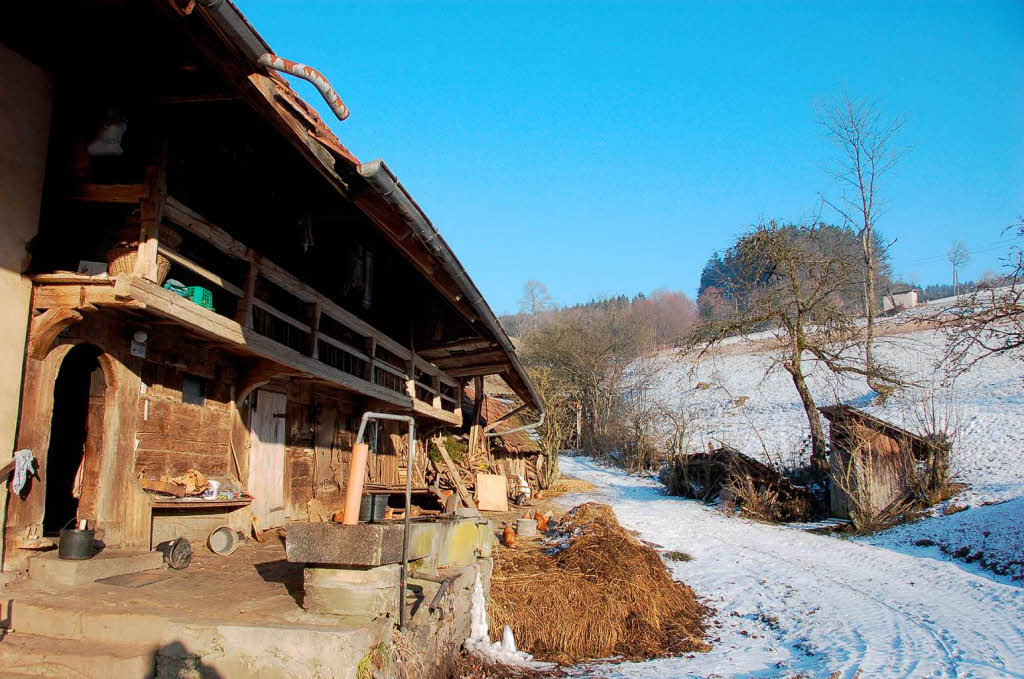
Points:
(790, 603)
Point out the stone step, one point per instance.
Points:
(48, 568)
(87, 624)
(40, 656)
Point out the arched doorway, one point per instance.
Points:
(76, 432)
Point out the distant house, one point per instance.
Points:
(899, 299)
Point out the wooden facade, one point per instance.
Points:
(321, 302)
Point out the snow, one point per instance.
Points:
(792, 603)
(503, 651)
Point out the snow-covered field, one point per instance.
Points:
(795, 604)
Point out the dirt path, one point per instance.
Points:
(791, 603)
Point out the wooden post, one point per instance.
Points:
(410, 377)
(436, 383)
(151, 209)
(243, 314)
(371, 367)
(475, 430)
(314, 330)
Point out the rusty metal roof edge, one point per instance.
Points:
(380, 177)
(233, 23)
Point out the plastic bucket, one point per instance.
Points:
(372, 508)
(223, 540)
(76, 544)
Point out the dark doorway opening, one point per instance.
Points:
(75, 431)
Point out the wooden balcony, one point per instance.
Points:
(329, 343)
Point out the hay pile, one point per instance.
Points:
(598, 593)
(567, 484)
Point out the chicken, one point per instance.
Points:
(542, 521)
(509, 535)
(549, 520)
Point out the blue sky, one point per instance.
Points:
(606, 147)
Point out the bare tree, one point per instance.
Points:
(989, 320)
(868, 152)
(559, 413)
(792, 280)
(535, 299)
(958, 255)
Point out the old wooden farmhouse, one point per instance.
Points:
(198, 275)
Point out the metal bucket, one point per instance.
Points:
(223, 540)
(372, 508)
(177, 553)
(76, 544)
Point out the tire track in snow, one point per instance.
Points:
(853, 605)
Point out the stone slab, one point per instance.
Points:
(47, 567)
(370, 593)
(362, 544)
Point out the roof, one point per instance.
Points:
(375, 189)
(841, 413)
(493, 408)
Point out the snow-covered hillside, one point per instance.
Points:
(770, 424)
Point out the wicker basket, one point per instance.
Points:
(121, 257)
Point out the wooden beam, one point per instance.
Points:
(277, 313)
(456, 346)
(327, 339)
(467, 358)
(478, 370)
(427, 410)
(467, 499)
(47, 326)
(202, 271)
(110, 193)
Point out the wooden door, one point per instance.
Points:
(266, 458)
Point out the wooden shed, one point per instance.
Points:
(876, 463)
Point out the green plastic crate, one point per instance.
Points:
(200, 296)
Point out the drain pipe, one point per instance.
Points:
(235, 26)
(532, 425)
(402, 615)
(311, 75)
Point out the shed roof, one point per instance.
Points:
(840, 414)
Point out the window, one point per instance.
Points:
(193, 390)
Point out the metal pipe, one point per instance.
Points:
(354, 487)
(309, 74)
(402, 614)
(384, 182)
(234, 25)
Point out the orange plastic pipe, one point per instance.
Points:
(354, 488)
